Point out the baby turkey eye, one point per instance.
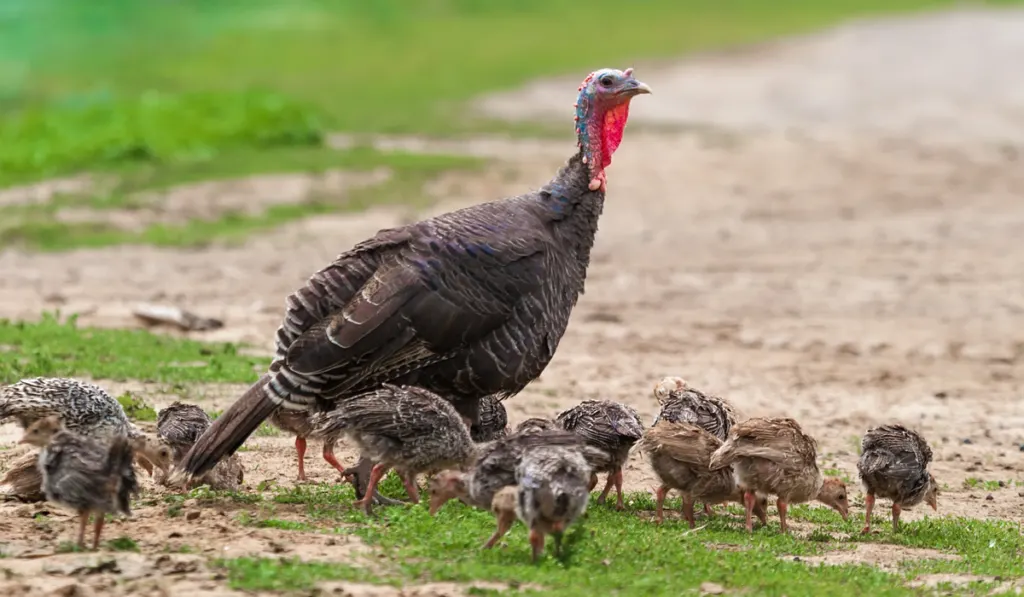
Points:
(607, 81)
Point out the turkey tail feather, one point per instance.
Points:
(227, 433)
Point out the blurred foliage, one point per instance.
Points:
(380, 66)
(72, 135)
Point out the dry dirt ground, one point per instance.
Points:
(827, 228)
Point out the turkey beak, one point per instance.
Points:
(633, 87)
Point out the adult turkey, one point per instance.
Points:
(467, 304)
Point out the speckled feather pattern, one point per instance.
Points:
(552, 486)
(680, 454)
(82, 407)
(772, 456)
(405, 427)
(894, 464)
(609, 426)
(492, 421)
(496, 465)
(180, 425)
(84, 474)
(535, 425)
(681, 403)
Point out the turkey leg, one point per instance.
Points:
(411, 488)
(661, 492)
(300, 449)
(869, 504)
(100, 519)
(748, 503)
(331, 458)
(619, 505)
(607, 487)
(359, 475)
(688, 511)
(505, 520)
(782, 506)
(83, 521)
(375, 476)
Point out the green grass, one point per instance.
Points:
(123, 544)
(625, 553)
(87, 85)
(68, 136)
(136, 408)
(391, 65)
(36, 227)
(55, 348)
(256, 574)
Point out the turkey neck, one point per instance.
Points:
(572, 211)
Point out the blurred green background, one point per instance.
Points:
(158, 91)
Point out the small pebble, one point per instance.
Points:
(989, 497)
(967, 441)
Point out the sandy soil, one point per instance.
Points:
(841, 246)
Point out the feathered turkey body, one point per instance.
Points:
(894, 465)
(467, 304)
(492, 422)
(494, 469)
(179, 425)
(552, 492)
(536, 424)
(84, 474)
(611, 427)
(402, 427)
(82, 408)
(682, 403)
(773, 456)
(680, 454)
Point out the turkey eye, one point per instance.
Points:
(606, 81)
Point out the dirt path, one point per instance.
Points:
(843, 247)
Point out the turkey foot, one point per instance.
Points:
(359, 476)
(367, 500)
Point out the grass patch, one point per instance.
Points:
(123, 544)
(609, 552)
(247, 519)
(36, 226)
(976, 483)
(136, 408)
(258, 574)
(96, 132)
(55, 348)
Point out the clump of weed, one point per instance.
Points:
(136, 408)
